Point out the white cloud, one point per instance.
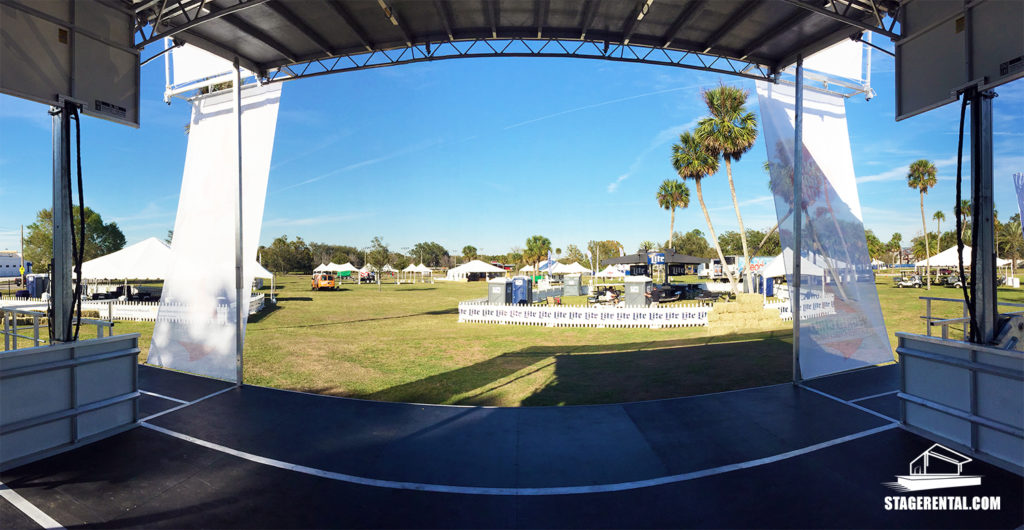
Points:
(748, 202)
(663, 136)
(900, 173)
(601, 104)
(614, 186)
(308, 221)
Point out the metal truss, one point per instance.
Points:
(841, 9)
(523, 47)
(195, 12)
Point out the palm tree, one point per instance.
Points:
(939, 218)
(963, 211)
(646, 246)
(671, 195)
(537, 248)
(694, 160)
(921, 177)
(731, 131)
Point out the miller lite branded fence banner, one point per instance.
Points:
(195, 327)
(832, 231)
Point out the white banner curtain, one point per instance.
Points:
(832, 234)
(195, 328)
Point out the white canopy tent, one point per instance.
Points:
(473, 267)
(777, 267)
(948, 258)
(145, 260)
(611, 272)
(572, 268)
(320, 268)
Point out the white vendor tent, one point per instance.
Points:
(572, 268)
(777, 267)
(476, 266)
(145, 260)
(347, 266)
(320, 268)
(948, 258)
(611, 272)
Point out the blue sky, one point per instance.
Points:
(487, 152)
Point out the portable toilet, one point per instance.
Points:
(769, 286)
(36, 284)
(522, 290)
(571, 287)
(637, 289)
(499, 291)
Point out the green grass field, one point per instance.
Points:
(404, 343)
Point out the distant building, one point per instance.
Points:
(10, 261)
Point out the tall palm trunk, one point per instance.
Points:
(938, 234)
(714, 238)
(927, 247)
(671, 227)
(772, 231)
(739, 218)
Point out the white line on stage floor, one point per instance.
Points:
(562, 490)
(873, 396)
(161, 396)
(28, 508)
(850, 403)
(185, 403)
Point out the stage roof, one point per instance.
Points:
(301, 38)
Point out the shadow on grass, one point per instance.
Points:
(294, 299)
(416, 288)
(446, 311)
(267, 311)
(592, 374)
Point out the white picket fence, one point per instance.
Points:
(134, 311)
(584, 316)
(813, 306)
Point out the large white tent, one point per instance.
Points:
(320, 268)
(611, 272)
(777, 267)
(948, 258)
(571, 268)
(476, 266)
(145, 260)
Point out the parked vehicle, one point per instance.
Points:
(323, 280)
(735, 265)
(912, 280)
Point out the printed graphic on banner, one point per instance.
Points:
(195, 328)
(832, 231)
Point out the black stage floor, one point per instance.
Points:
(777, 456)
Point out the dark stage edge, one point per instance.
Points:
(859, 383)
(142, 478)
(147, 478)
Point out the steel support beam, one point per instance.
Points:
(558, 48)
(262, 37)
(213, 15)
(241, 297)
(629, 26)
(314, 36)
(798, 187)
(444, 13)
(983, 251)
(589, 12)
(540, 13)
(691, 11)
(351, 22)
(492, 14)
(767, 36)
(60, 269)
(841, 17)
(735, 19)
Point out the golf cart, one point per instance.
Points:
(912, 280)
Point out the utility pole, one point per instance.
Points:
(22, 269)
